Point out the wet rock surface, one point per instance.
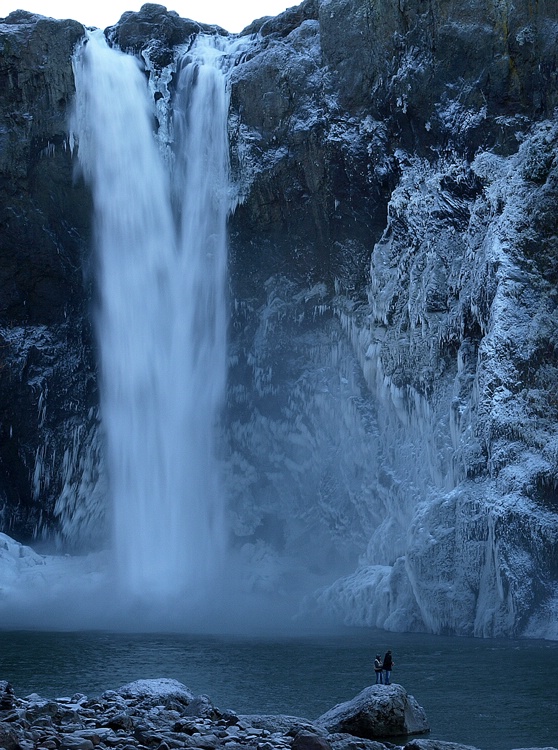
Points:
(378, 711)
(163, 714)
(47, 369)
(160, 714)
(153, 33)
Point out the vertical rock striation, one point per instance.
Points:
(47, 375)
(414, 141)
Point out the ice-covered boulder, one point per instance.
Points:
(160, 690)
(377, 711)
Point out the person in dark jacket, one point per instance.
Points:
(387, 667)
(378, 666)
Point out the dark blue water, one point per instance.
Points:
(495, 695)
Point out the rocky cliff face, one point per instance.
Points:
(391, 425)
(414, 142)
(47, 375)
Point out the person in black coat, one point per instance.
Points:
(387, 667)
(378, 666)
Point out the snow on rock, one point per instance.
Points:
(160, 689)
(459, 339)
(420, 744)
(153, 714)
(377, 711)
(15, 560)
(421, 196)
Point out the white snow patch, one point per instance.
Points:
(160, 688)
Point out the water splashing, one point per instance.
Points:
(161, 239)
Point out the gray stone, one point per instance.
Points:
(436, 745)
(7, 697)
(305, 740)
(121, 720)
(39, 707)
(75, 742)
(341, 741)
(288, 725)
(202, 707)
(378, 711)
(8, 737)
(157, 692)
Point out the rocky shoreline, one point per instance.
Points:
(163, 714)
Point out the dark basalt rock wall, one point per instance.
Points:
(47, 374)
(424, 77)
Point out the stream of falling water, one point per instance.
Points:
(160, 233)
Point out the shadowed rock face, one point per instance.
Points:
(36, 170)
(343, 85)
(47, 378)
(162, 710)
(377, 711)
(392, 409)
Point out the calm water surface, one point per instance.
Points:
(494, 695)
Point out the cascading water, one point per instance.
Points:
(160, 229)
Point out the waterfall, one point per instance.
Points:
(160, 232)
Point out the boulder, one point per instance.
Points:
(288, 725)
(75, 742)
(305, 740)
(8, 737)
(202, 707)
(40, 707)
(437, 745)
(340, 741)
(377, 711)
(7, 697)
(159, 691)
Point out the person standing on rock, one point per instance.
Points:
(387, 667)
(378, 669)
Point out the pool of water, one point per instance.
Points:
(492, 694)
